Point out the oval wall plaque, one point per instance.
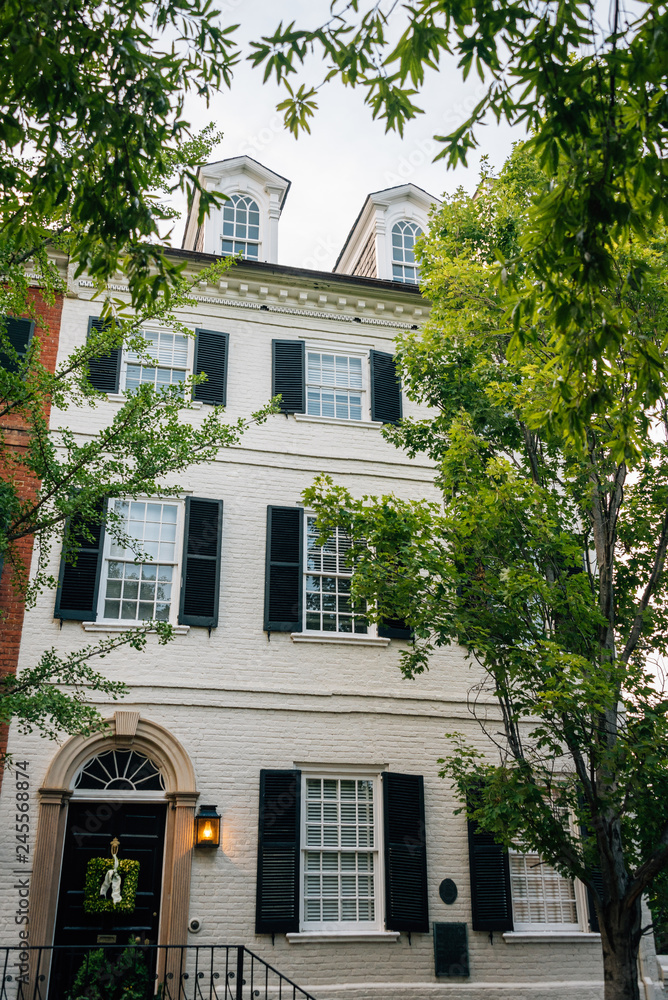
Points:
(447, 890)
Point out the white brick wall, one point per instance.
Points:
(239, 703)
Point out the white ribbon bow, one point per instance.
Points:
(112, 880)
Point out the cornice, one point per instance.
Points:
(385, 304)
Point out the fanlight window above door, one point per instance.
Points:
(120, 770)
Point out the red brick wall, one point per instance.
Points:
(15, 436)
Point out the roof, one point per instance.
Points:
(263, 168)
(262, 266)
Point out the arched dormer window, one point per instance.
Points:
(241, 227)
(404, 235)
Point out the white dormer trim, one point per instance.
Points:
(380, 212)
(244, 176)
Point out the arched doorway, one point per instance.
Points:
(117, 808)
(102, 779)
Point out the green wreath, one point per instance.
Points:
(96, 870)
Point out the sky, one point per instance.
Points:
(347, 155)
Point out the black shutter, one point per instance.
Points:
(283, 575)
(104, 371)
(211, 353)
(385, 388)
(200, 573)
(406, 906)
(489, 871)
(288, 374)
(19, 333)
(277, 904)
(394, 628)
(78, 585)
(597, 879)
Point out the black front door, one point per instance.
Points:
(91, 826)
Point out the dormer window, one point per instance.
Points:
(241, 227)
(404, 268)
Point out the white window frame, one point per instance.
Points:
(371, 628)
(523, 926)
(342, 351)
(246, 240)
(346, 927)
(176, 579)
(157, 328)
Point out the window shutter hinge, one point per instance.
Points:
(491, 937)
(268, 635)
(61, 623)
(210, 627)
(410, 943)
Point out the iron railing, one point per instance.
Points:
(141, 972)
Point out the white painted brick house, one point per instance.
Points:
(273, 702)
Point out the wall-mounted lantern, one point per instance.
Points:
(207, 827)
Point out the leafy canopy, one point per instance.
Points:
(592, 97)
(91, 127)
(544, 557)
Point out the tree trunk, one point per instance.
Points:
(620, 938)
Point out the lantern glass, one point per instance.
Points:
(207, 827)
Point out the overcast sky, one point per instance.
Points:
(347, 154)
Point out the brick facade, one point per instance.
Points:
(13, 427)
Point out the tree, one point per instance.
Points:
(91, 139)
(544, 559)
(70, 481)
(591, 97)
(91, 103)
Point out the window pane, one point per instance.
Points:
(313, 403)
(327, 402)
(355, 373)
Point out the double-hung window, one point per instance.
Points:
(327, 584)
(542, 898)
(308, 585)
(165, 565)
(170, 357)
(341, 849)
(347, 384)
(333, 385)
(340, 853)
(169, 354)
(514, 891)
(133, 591)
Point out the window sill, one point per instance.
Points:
(332, 937)
(307, 418)
(120, 397)
(113, 627)
(339, 637)
(551, 937)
